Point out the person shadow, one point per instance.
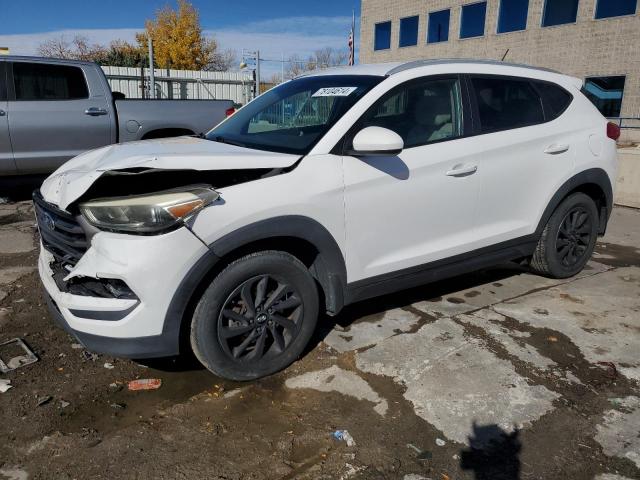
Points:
(493, 453)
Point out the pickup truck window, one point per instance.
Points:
(3, 82)
(37, 81)
(292, 117)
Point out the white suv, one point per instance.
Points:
(332, 188)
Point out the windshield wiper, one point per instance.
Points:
(221, 139)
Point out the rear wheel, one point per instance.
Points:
(568, 239)
(256, 317)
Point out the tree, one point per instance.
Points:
(329, 57)
(56, 48)
(178, 41)
(78, 49)
(222, 61)
(124, 54)
(119, 53)
(296, 66)
(322, 58)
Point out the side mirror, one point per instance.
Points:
(376, 141)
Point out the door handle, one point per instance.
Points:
(95, 111)
(2, 113)
(556, 148)
(462, 170)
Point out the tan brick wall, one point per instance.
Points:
(587, 48)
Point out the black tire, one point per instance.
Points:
(568, 238)
(266, 299)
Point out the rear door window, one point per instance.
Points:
(36, 81)
(505, 103)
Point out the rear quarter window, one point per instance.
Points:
(555, 98)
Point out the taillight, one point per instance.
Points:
(229, 111)
(613, 131)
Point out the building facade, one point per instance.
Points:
(596, 40)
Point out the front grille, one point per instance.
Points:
(60, 232)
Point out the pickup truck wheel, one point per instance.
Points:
(568, 239)
(256, 317)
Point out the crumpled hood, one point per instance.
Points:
(74, 178)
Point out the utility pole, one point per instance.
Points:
(152, 78)
(258, 72)
(248, 59)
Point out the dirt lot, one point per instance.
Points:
(494, 375)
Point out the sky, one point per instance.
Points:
(275, 27)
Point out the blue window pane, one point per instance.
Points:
(615, 8)
(382, 36)
(408, 31)
(472, 23)
(438, 26)
(605, 93)
(513, 15)
(558, 12)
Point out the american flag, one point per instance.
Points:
(352, 42)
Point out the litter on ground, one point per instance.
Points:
(344, 436)
(145, 384)
(5, 385)
(9, 357)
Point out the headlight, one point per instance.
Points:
(147, 213)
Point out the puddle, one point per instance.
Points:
(614, 255)
(118, 408)
(455, 300)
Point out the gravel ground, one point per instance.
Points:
(495, 375)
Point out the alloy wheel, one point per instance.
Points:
(574, 236)
(260, 319)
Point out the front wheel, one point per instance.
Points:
(568, 239)
(256, 317)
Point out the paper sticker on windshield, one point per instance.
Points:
(335, 92)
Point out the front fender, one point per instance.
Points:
(329, 269)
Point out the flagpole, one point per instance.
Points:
(353, 29)
(352, 39)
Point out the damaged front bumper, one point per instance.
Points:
(116, 298)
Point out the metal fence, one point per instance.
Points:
(632, 123)
(301, 110)
(181, 84)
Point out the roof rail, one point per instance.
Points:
(441, 61)
(36, 59)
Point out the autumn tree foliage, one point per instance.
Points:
(178, 41)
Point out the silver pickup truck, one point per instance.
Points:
(52, 110)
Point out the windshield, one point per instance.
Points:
(293, 117)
